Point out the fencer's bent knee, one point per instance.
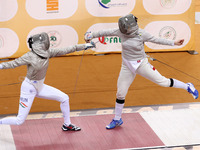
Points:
(122, 90)
(65, 98)
(20, 121)
(121, 94)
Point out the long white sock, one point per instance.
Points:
(180, 84)
(66, 112)
(118, 110)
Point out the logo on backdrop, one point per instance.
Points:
(168, 32)
(107, 4)
(105, 40)
(52, 6)
(55, 38)
(168, 3)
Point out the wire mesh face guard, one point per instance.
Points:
(128, 24)
(41, 39)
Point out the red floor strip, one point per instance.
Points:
(46, 134)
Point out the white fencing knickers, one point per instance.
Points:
(129, 69)
(27, 95)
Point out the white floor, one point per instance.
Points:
(175, 127)
(6, 138)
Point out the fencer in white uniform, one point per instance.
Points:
(135, 61)
(37, 61)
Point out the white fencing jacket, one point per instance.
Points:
(133, 44)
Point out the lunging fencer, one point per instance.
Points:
(37, 61)
(135, 61)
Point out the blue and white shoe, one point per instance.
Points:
(114, 123)
(191, 89)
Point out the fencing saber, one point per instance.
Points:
(79, 68)
(10, 84)
(77, 76)
(154, 59)
(21, 78)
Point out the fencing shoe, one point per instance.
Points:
(114, 123)
(191, 89)
(71, 127)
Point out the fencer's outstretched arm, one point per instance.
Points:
(150, 38)
(70, 49)
(147, 37)
(23, 60)
(109, 32)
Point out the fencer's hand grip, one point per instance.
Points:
(90, 45)
(179, 42)
(88, 37)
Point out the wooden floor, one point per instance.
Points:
(47, 134)
(97, 80)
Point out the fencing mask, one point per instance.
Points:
(39, 40)
(39, 43)
(128, 24)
